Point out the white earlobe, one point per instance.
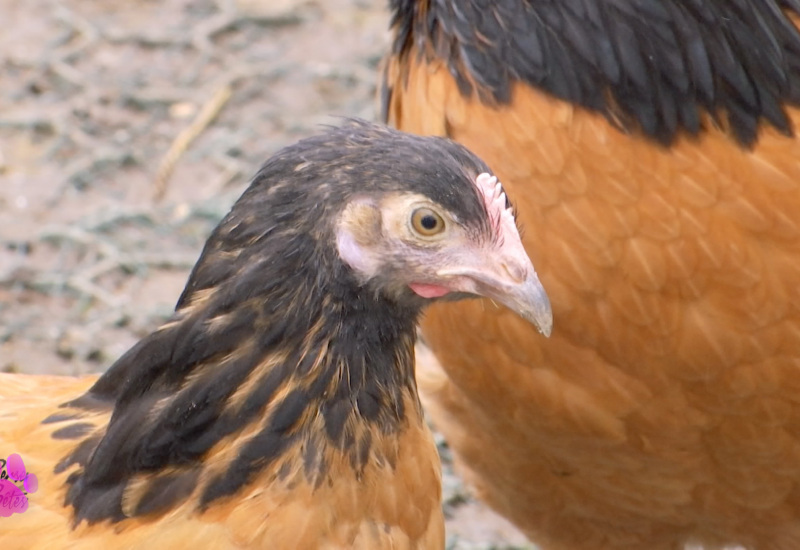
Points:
(361, 260)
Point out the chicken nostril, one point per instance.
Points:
(517, 272)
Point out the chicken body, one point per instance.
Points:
(278, 407)
(664, 410)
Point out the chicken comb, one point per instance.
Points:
(494, 198)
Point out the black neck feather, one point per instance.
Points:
(280, 336)
(651, 65)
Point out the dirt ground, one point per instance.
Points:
(127, 129)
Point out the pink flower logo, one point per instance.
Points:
(14, 499)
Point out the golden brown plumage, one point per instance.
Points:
(278, 407)
(382, 506)
(664, 410)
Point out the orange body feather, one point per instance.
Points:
(665, 408)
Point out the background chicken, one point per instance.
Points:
(650, 147)
(278, 406)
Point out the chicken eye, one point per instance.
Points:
(426, 222)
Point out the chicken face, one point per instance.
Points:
(409, 245)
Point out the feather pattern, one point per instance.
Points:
(649, 65)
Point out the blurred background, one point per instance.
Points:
(127, 129)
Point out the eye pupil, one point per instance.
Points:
(429, 222)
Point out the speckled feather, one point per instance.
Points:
(663, 410)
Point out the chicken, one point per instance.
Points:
(278, 407)
(649, 147)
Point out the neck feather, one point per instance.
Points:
(248, 371)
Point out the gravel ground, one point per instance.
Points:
(127, 129)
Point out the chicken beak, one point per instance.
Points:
(527, 298)
(506, 275)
